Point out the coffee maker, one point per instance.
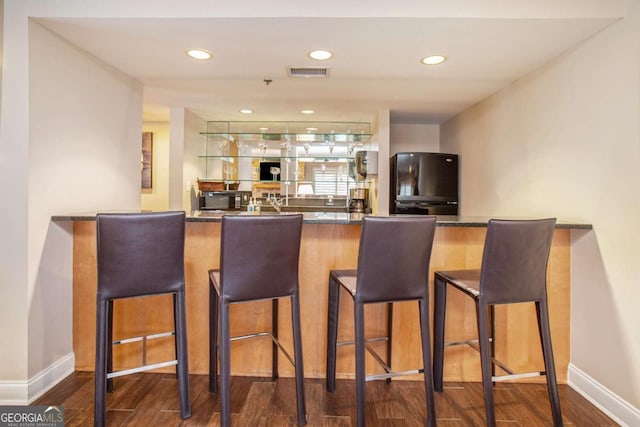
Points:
(366, 163)
(359, 200)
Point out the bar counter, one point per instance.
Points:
(323, 218)
(329, 241)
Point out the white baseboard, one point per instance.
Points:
(25, 392)
(608, 402)
(14, 393)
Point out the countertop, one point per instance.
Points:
(325, 218)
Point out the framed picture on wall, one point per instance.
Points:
(147, 160)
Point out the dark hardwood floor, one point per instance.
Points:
(152, 400)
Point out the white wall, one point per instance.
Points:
(1, 43)
(76, 152)
(186, 127)
(565, 141)
(14, 131)
(408, 137)
(380, 142)
(175, 175)
(84, 144)
(157, 197)
(193, 167)
(176, 157)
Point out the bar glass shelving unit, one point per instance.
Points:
(311, 159)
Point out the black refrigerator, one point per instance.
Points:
(424, 184)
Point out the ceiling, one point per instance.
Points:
(376, 64)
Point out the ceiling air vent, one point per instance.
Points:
(308, 72)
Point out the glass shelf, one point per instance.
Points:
(257, 181)
(304, 158)
(292, 137)
(233, 152)
(295, 133)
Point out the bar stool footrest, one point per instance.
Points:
(144, 338)
(143, 368)
(394, 374)
(389, 373)
(270, 335)
(474, 345)
(498, 378)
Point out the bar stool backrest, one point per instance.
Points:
(514, 262)
(259, 256)
(140, 254)
(393, 259)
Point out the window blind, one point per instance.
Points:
(331, 180)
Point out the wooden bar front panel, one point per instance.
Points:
(324, 247)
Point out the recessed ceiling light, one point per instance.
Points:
(199, 53)
(320, 55)
(307, 112)
(312, 129)
(246, 111)
(263, 129)
(433, 59)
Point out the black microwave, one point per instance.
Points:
(224, 200)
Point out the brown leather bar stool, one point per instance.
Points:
(393, 265)
(139, 255)
(259, 258)
(513, 270)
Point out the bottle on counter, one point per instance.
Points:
(251, 206)
(257, 207)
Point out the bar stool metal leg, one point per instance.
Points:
(485, 362)
(110, 304)
(426, 360)
(332, 333)
(181, 354)
(225, 367)
(213, 339)
(299, 366)
(274, 332)
(360, 367)
(440, 303)
(175, 331)
(389, 334)
(492, 338)
(542, 313)
(102, 336)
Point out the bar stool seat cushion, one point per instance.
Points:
(468, 281)
(214, 276)
(347, 278)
